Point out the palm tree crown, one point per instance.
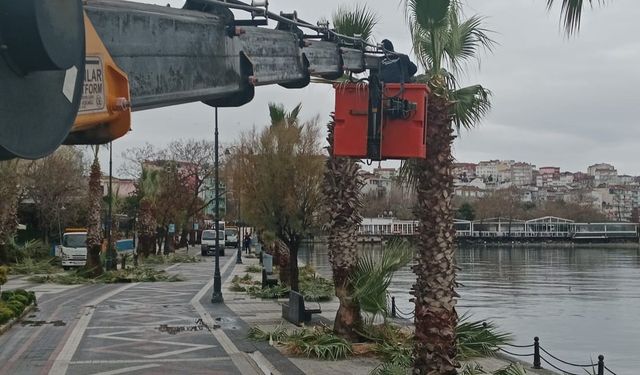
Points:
(571, 13)
(444, 44)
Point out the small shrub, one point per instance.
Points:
(20, 298)
(254, 268)
(4, 274)
(5, 313)
(16, 306)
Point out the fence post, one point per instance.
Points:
(600, 364)
(536, 353)
(393, 307)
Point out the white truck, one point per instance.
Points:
(210, 243)
(73, 249)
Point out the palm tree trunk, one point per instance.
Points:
(147, 225)
(434, 290)
(94, 232)
(283, 261)
(341, 189)
(294, 245)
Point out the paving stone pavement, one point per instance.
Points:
(140, 328)
(159, 328)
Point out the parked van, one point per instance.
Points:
(212, 243)
(231, 237)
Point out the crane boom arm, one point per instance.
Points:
(138, 56)
(174, 56)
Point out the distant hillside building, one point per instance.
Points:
(521, 174)
(464, 171)
(602, 173)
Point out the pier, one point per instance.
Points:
(544, 228)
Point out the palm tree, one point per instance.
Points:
(94, 229)
(342, 196)
(443, 43)
(571, 13)
(148, 187)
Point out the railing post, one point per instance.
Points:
(600, 364)
(536, 353)
(393, 307)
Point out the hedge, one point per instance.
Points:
(13, 303)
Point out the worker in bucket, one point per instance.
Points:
(396, 67)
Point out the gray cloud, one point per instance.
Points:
(557, 101)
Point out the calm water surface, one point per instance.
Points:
(579, 301)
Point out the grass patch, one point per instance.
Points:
(129, 275)
(254, 268)
(29, 266)
(273, 292)
(170, 259)
(241, 284)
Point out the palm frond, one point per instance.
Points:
(464, 40)
(277, 113)
(571, 13)
(373, 275)
(318, 343)
(427, 14)
(355, 20)
(478, 338)
(408, 172)
(512, 369)
(470, 105)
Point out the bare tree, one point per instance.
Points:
(58, 189)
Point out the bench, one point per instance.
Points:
(294, 310)
(268, 280)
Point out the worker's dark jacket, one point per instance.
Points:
(397, 69)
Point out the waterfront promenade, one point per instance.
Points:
(134, 328)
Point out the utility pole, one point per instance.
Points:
(217, 279)
(239, 254)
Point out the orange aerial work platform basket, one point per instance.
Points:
(402, 115)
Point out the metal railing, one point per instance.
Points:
(539, 354)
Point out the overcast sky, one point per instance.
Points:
(567, 102)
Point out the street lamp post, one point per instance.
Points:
(110, 258)
(217, 279)
(239, 254)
